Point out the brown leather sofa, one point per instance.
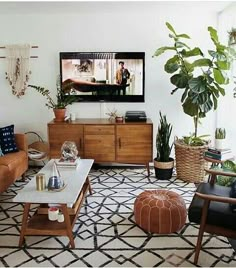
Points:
(14, 165)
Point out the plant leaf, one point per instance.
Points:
(192, 52)
(179, 80)
(202, 62)
(198, 84)
(190, 108)
(161, 50)
(219, 77)
(213, 34)
(179, 44)
(183, 36)
(172, 65)
(170, 27)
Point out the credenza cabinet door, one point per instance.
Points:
(59, 133)
(134, 143)
(99, 143)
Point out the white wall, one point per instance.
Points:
(227, 107)
(111, 26)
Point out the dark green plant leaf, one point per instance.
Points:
(172, 65)
(179, 80)
(221, 89)
(206, 106)
(198, 84)
(215, 102)
(184, 95)
(190, 108)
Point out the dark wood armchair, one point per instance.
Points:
(211, 209)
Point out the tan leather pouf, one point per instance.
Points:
(160, 211)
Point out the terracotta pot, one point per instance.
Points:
(59, 115)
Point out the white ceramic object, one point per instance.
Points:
(53, 213)
(220, 144)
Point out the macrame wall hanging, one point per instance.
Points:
(18, 68)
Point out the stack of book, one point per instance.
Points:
(66, 163)
(219, 154)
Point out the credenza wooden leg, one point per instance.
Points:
(24, 223)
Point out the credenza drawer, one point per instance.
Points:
(99, 130)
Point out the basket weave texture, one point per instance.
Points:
(190, 163)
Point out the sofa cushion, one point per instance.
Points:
(12, 159)
(7, 140)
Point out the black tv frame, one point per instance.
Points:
(107, 98)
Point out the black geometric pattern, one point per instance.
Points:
(105, 232)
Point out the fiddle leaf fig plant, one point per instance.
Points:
(200, 77)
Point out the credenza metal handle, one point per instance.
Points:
(80, 143)
(119, 141)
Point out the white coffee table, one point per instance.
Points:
(69, 199)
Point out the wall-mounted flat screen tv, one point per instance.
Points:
(103, 76)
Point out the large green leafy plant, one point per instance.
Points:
(200, 77)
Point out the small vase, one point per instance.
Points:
(220, 144)
(59, 115)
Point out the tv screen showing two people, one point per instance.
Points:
(103, 74)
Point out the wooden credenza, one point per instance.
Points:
(104, 140)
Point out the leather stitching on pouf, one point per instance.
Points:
(160, 211)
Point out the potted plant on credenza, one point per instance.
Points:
(163, 163)
(59, 105)
(200, 78)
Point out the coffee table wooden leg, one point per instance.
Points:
(89, 185)
(148, 169)
(24, 223)
(68, 225)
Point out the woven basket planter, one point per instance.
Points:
(190, 163)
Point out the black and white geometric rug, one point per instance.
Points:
(105, 232)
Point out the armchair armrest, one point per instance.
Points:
(218, 171)
(21, 142)
(216, 198)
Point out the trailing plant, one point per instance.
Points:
(163, 140)
(62, 100)
(199, 77)
(220, 133)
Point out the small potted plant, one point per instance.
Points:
(163, 163)
(59, 105)
(220, 135)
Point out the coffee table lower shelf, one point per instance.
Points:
(39, 224)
